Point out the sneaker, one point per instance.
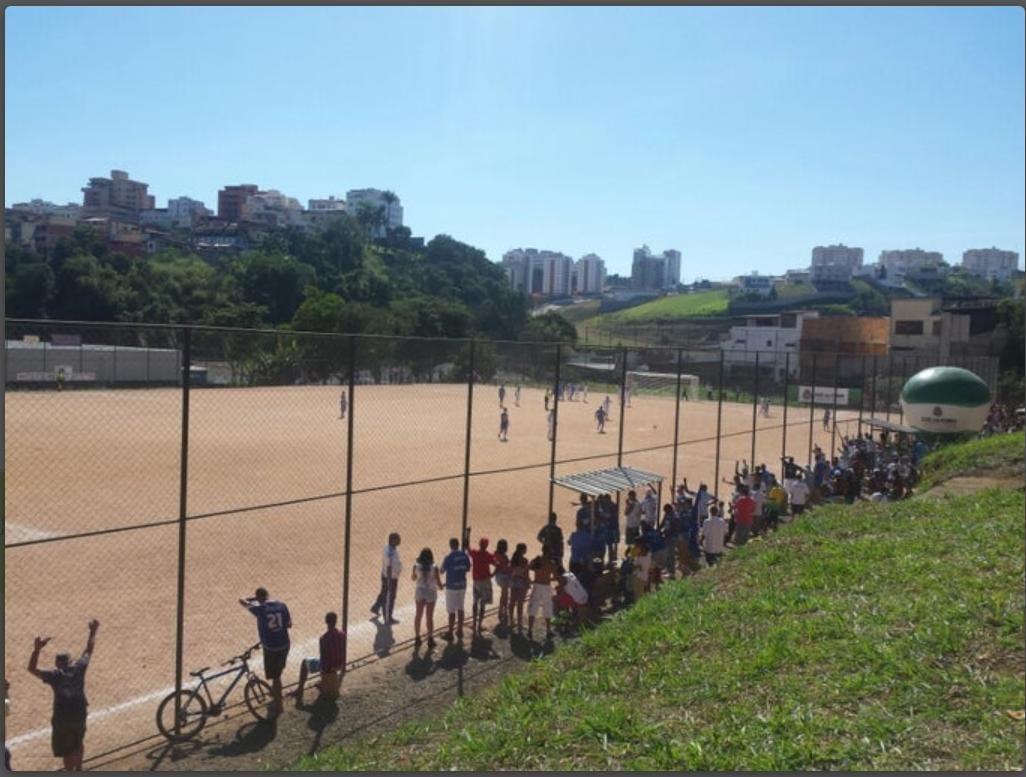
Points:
(430, 642)
(416, 642)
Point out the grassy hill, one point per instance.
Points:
(879, 637)
(701, 303)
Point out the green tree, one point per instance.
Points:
(29, 289)
(550, 327)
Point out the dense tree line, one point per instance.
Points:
(334, 280)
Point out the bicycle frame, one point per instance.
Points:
(240, 672)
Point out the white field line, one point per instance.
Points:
(20, 532)
(296, 654)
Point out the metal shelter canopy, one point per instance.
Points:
(605, 481)
(890, 426)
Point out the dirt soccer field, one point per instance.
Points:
(85, 460)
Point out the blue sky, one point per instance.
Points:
(740, 136)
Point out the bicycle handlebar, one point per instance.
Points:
(243, 656)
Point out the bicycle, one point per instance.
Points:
(194, 709)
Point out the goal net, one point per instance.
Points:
(662, 384)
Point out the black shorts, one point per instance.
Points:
(274, 662)
(67, 736)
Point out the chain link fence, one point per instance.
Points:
(155, 474)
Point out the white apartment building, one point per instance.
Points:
(589, 275)
(47, 208)
(388, 202)
(991, 263)
(898, 264)
(755, 284)
(156, 217)
(184, 211)
(533, 271)
(835, 262)
(272, 208)
(772, 335)
(331, 204)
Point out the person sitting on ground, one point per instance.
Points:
(331, 663)
(571, 597)
(642, 570)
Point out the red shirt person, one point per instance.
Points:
(481, 573)
(744, 515)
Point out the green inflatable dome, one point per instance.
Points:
(945, 400)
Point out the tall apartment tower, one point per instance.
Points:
(589, 276)
(655, 272)
(117, 197)
(992, 263)
(835, 263)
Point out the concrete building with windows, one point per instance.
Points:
(539, 272)
(117, 197)
(272, 208)
(929, 327)
(835, 262)
(908, 262)
(773, 335)
(991, 263)
(589, 275)
(46, 208)
(762, 285)
(231, 199)
(655, 272)
(376, 201)
(329, 205)
(185, 211)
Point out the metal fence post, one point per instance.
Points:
(812, 408)
(676, 423)
(552, 442)
(755, 407)
(890, 384)
(466, 450)
(623, 408)
(183, 490)
(719, 428)
(787, 379)
(872, 396)
(862, 393)
(833, 409)
(350, 426)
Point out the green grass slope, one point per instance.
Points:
(701, 303)
(879, 637)
(1001, 455)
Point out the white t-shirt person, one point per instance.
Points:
(798, 493)
(714, 534)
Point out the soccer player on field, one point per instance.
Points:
(600, 417)
(504, 425)
(605, 405)
(516, 395)
(502, 393)
(343, 405)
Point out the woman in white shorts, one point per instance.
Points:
(425, 575)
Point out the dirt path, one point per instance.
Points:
(404, 686)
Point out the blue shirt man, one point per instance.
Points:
(581, 542)
(455, 566)
(273, 623)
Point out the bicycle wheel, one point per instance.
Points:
(192, 715)
(258, 697)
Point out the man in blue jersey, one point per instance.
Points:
(273, 624)
(455, 566)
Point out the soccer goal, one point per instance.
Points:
(662, 384)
